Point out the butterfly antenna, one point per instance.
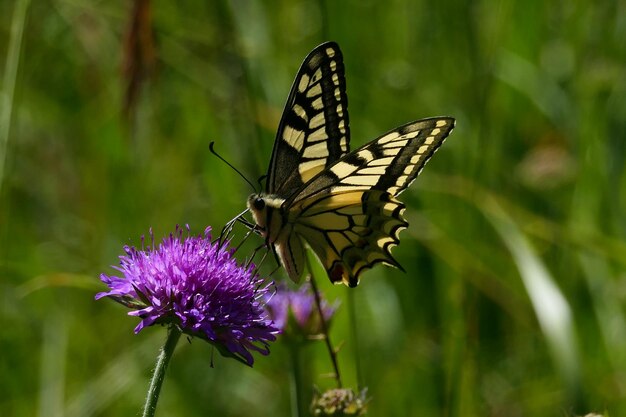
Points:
(260, 180)
(211, 145)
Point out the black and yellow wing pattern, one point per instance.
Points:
(314, 129)
(342, 204)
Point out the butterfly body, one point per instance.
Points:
(341, 204)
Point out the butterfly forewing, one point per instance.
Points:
(389, 163)
(314, 129)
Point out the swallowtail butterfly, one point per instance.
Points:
(318, 193)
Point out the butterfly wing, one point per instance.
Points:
(313, 132)
(348, 213)
(349, 232)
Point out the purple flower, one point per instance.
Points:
(198, 286)
(295, 312)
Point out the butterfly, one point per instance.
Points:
(340, 203)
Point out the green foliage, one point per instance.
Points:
(513, 300)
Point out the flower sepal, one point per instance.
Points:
(223, 348)
(128, 301)
(228, 354)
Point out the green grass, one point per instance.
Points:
(513, 299)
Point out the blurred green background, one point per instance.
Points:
(513, 299)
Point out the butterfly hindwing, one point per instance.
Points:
(350, 232)
(314, 129)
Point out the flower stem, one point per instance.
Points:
(354, 335)
(329, 345)
(173, 334)
(297, 395)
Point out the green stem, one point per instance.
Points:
(354, 334)
(329, 345)
(10, 78)
(149, 408)
(297, 399)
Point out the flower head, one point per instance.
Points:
(198, 286)
(295, 312)
(340, 402)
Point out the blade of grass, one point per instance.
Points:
(552, 309)
(53, 361)
(120, 375)
(10, 77)
(530, 223)
(602, 289)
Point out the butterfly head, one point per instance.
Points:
(256, 203)
(264, 208)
